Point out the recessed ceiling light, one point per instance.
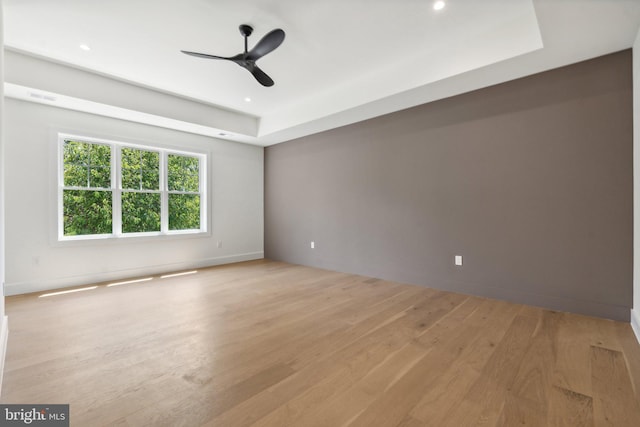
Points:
(85, 47)
(439, 5)
(247, 99)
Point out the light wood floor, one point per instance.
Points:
(271, 344)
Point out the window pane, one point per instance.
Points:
(76, 152)
(184, 212)
(183, 173)
(100, 176)
(87, 165)
(87, 212)
(76, 175)
(140, 212)
(100, 155)
(140, 169)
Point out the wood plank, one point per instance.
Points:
(485, 327)
(517, 411)
(388, 328)
(569, 409)
(614, 402)
(528, 397)
(266, 343)
(412, 422)
(573, 341)
(484, 402)
(631, 351)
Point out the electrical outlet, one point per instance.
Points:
(219, 244)
(458, 259)
(313, 245)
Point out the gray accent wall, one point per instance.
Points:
(531, 181)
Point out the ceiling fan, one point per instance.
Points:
(248, 58)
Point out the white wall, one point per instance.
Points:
(3, 319)
(44, 75)
(635, 312)
(36, 261)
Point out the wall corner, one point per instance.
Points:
(635, 323)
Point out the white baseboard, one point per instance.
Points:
(4, 339)
(635, 322)
(64, 282)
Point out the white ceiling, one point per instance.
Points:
(341, 61)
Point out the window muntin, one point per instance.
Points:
(183, 173)
(86, 165)
(110, 189)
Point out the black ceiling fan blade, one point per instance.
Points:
(247, 59)
(261, 76)
(267, 44)
(204, 55)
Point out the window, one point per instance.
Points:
(87, 196)
(110, 189)
(184, 197)
(141, 198)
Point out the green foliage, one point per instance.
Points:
(140, 169)
(87, 166)
(183, 173)
(140, 212)
(87, 212)
(184, 212)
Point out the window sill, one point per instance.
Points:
(109, 239)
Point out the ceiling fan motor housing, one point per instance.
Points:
(246, 30)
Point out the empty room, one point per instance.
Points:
(293, 213)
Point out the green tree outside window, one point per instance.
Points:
(141, 199)
(183, 176)
(150, 180)
(87, 169)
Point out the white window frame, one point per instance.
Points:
(116, 189)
